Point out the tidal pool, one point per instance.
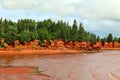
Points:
(97, 66)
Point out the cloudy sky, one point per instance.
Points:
(98, 16)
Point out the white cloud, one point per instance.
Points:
(89, 9)
(97, 15)
(99, 9)
(61, 7)
(18, 4)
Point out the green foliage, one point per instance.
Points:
(74, 32)
(33, 35)
(81, 33)
(24, 37)
(119, 40)
(92, 38)
(103, 40)
(2, 45)
(115, 39)
(27, 30)
(11, 35)
(98, 39)
(68, 36)
(26, 25)
(110, 38)
(43, 34)
(37, 72)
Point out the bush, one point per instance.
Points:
(24, 37)
(2, 45)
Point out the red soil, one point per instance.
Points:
(24, 73)
(15, 70)
(21, 73)
(59, 47)
(28, 50)
(8, 73)
(40, 52)
(110, 48)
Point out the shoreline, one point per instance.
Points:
(48, 51)
(110, 48)
(40, 52)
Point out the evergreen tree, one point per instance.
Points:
(24, 37)
(110, 38)
(43, 34)
(119, 40)
(74, 34)
(1, 29)
(11, 35)
(26, 25)
(27, 30)
(81, 33)
(68, 30)
(103, 40)
(98, 39)
(92, 38)
(115, 39)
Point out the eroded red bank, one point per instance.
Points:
(60, 44)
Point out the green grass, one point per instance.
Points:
(38, 72)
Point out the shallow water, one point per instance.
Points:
(98, 66)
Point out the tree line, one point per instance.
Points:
(26, 30)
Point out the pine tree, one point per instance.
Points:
(74, 33)
(98, 38)
(81, 33)
(110, 38)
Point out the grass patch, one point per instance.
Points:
(38, 72)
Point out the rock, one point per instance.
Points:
(90, 48)
(76, 44)
(34, 42)
(69, 44)
(6, 45)
(111, 45)
(45, 43)
(108, 45)
(116, 45)
(83, 45)
(25, 43)
(52, 43)
(16, 43)
(97, 45)
(60, 43)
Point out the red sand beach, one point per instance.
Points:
(6, 72)
(40, 52)
(23, 73)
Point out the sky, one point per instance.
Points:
(98, 16)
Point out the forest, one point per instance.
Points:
(26, 30)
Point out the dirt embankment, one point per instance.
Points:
(55, 47)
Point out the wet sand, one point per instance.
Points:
(40, 52)
(15, 70)
(99, 66)
(23, 77)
